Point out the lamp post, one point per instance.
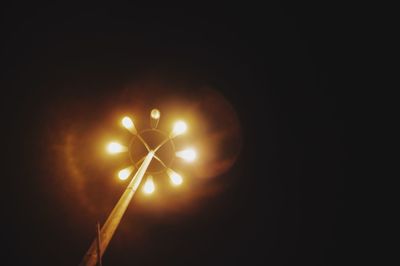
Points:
(99, 245)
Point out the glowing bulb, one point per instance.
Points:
(179, 128)
(149, 186)
(155, 114)
(125, 173)
(128, 124)
(115, 147)
(155, 117)
(175, 178)
(188, 155)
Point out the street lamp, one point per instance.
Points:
(104, 235)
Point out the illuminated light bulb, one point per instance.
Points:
(188, 155)
(155, 114)
(175, 178)
(128, 124)
(125, 173)
(149, 186)
(155, 117)
(179, 128)
(115, 147)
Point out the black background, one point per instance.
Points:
(277, 64)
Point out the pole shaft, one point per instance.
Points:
(113, 220)
(99, 263)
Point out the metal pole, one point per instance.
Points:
(99, 263)
(113, 220)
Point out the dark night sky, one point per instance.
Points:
(277, 65)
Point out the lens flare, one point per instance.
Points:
(180, 127)
(175, 178)
(125, 173)
(188, 155)
(128, 124)
(149, 186)
(115, 147)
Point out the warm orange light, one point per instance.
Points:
(188, 155)
(149, 185)
(125, 173)
(180, 127)
(128, 124)
(175, 178)
(155, 117)
(155, 114)
(115, 147)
